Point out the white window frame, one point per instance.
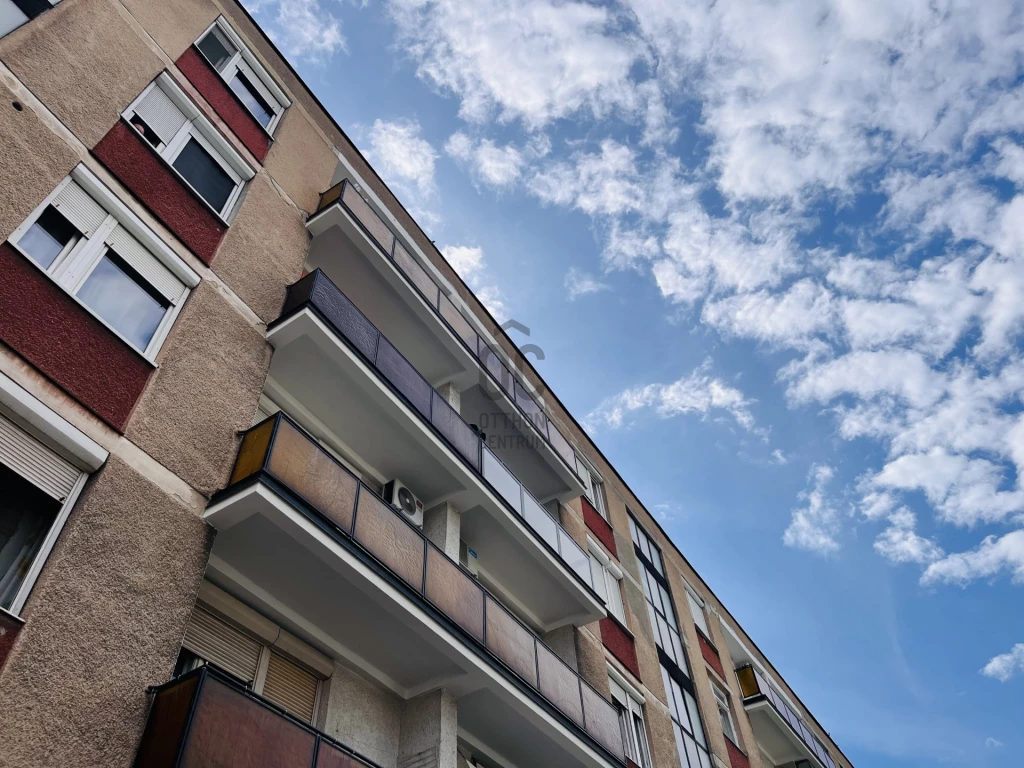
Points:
(197, 127)
(611, 580)
(56, 433)
(245, 62)
(725, 713)
(74, 266)
(593, 486)
(632, 701)
(700, 618)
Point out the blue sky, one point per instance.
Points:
(774, 255)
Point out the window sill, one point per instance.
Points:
(12, 616)
(135, 350)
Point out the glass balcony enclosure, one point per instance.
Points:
(332, 367)
(779, 730)
(359, 251)
(303, 541)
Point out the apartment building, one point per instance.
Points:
(276, 488)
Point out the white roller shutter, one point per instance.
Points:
(290, 686)
(221, 644)
(161, 114)
(35, 462)
(146, 264)
(82, 211)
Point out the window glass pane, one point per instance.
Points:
(47, 237)
(627, 732)
(204, 174)
(116, 293)
(654, 624)
(666, 601)
(680, 747)
(645, 546)
(641, 741)
(632, 531)
(663, 630)
(646, 581)
(26, 514)
(216, 50)
(698, 615)
(677, 646)
(691, 706)
(252, 99)
(656, 559)
(691, 751)
(615, 598)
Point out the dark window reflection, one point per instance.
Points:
(26, 515)
(119, 295)
(204, 174)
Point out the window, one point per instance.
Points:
(697, 610)
(659, 601)
(724, 712)
(686, 723)
(210, 639)
(243, 73)
(189, 143)
(593, 487)
(39, 488)
(101, 254)
(606, 577)
(629, 708)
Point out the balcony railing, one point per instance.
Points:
(278, 453)
(317, 292)
(207, 718)
(755, 688)
(348, 197)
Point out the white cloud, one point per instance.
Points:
(579, 283)
(489, 164)
(535, 60)
(304, 29)
(899, 543)
(815, 526)
(699, 393)
(779, 457)
(468, 261)
(993, 743)
(993, 556)
(1005, 665)
(402, 156)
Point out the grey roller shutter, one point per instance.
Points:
(222, 645)
(35, 462)
(146, 264)
(290, 686)
(161, 114)
(75, 205)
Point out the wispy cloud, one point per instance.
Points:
(304, 29)
(579, 283)
(468, 261)
(815, 526)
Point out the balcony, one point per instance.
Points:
(206, 718)
(333, 366)
(304, 542)
(355, 247)
(778, 729)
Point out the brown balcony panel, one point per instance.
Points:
(459, 324)
(511, 642)
(314, 474)
(453, 591)
(204, 719)
(366, 216)
(390, 539)
(417, 275)
(406, 379)
(455, 430)
(559, 684)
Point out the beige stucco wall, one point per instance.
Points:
(173, 24)
(34, 160)
(99, 40)
(211, 374)
(264, 249)
(104, 621)
(301, 160)
(363, 716)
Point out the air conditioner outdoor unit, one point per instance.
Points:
(402, 499)
(468, 560)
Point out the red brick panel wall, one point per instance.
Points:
(231, 110)
(139, 168)
(621, 644)
(598, 526)
(51, 330)
(736, 757)
(9, 629)
(710, 654)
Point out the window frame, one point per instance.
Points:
(698, 612)
(611, 579)
(75, 265)
(243, 60)
(593, 487)
(654, 582)
(636, 750)
(198, 127)
(722, 700)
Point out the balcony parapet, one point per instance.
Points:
(318, 293)
(345, 195)
(278, 454)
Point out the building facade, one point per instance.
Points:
(276, 489)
